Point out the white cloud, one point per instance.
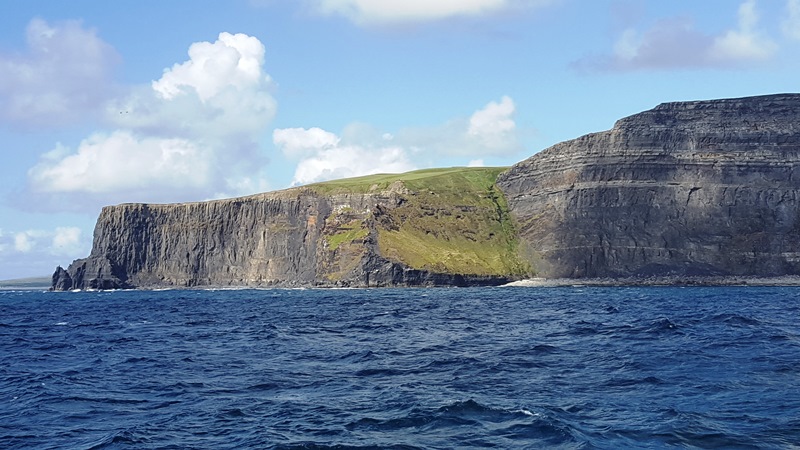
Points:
(124, 161)
(36, 252)
(23, 242)
(64, 76)
(323, 158)
(396, 11)
(494, 126)
(190, 135)
(351, 161)
(476, 163)
(489, 131)
(364, 150)
(66, 240)
(61, 241)
(298, 141)
(676, 43)
(745, 43)
(234, 60)
(791, 24)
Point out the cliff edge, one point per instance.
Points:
(703, 188)
(441, 227)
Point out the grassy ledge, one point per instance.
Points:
(451, 220)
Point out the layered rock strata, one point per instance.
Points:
(700, 188)
(296, 237)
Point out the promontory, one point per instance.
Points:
(686, 189)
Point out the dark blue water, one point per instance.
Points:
(401, 368)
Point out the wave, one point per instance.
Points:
(357, 369)
(486, 424)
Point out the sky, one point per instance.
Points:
(104, 103)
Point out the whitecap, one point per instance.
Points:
(526, 412)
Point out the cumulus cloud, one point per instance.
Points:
(364, 150)
(323, 158)
(192, 134)
(676, 43)
(233, 61)
(494, 126)
(397, 11)
(64, 75)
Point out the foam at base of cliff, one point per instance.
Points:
(696, 188)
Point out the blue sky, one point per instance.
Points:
(111, 102)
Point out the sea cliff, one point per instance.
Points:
(705, 188)
(427, 228)
(688, 189)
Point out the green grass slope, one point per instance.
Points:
(451, 220)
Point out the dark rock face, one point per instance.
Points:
(690, 188)
(273, 239)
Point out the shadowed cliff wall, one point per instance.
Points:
(690, 188)
(363, 232)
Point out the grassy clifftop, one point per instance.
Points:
(450, 220)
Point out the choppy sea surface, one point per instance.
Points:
(576, 367)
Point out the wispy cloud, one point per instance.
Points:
(376, 12)
(791, 24)
(64, 75)
(675, 43)
(61, 241)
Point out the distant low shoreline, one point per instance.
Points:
(788, 280)
(33, 283)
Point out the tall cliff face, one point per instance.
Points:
(691, 188)
(335, 234)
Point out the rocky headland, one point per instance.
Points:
(704, 190)
(440, 227)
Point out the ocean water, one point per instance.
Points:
(653, 367)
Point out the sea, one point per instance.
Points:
(508, 367)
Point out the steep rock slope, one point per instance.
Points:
(435, 227)
(689, 188)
